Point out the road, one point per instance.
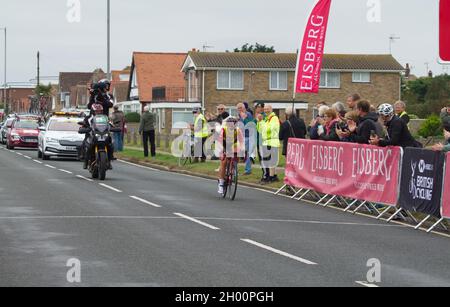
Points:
(147, 227)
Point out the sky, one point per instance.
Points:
(180, 25)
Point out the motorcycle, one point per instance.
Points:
(96, 147)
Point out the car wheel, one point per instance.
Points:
(45, 157)
(39, 154)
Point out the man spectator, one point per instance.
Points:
(221, 115)
(352, 101)
(118, 121)
(247, 107)
(398, 132)
(147, 130)
(441, 147)
(270, 135)
(246, 118)
(360, 132)
(201, 133)
(445, 116)
(260, 117)
(293, 127)
(400, 111)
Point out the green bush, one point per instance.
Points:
(431, 127)
(133, 117)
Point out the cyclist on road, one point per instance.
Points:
(229, 151)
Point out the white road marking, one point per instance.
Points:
(110, 187)
(19, 153)
(145, 201)
(279, 252)
(37, 161)
(64, 171)
(197, 221)
(88, 217)
(49, 166)
(84, 178)
(26, 157)
(366, 284)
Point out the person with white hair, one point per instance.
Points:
(400, 110)
(317, 125)
(147, 130)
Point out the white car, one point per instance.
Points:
(60, 138)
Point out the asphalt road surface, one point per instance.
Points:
(146, 227)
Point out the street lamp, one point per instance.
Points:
(109, 39)
(4, 85)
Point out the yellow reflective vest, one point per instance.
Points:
(201, 129)
(270, 131)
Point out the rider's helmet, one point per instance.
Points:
(231, 119)
(105, 83)
(386, 110)
(97, 109)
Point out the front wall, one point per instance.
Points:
(384, 87)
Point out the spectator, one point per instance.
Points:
(293, 127)
(398, 132)
(445, 116)
(247, 107)
(330, 126)
(339, 107)
(352, 101)
(270, 136)
(316, 128)
(221, 114)
(246, 118)
(201, 133)
(147, 130)
(359, 132)
(351, 118)
(260, 117)
(400, 111)
(441, 147)
(118, 121)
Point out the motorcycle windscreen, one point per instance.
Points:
(444, 30)
(101, 123)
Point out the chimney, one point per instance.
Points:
(408, 71)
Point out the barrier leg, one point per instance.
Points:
(297, 194)
(322, 199)
(394, 215)
(422, 222)
(412, 217)
(304, 194)
(281, 189)
(351, 205)
(443, 226)
(435, 225)
(342, 201)
(383, 213)
(372, 207)
(329, 201)
(359, 207)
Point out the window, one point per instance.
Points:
(230, 80)
(361, 77)
(330, 80)
(278, 81)
(181, 118)
(124, 77)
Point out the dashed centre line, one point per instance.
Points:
(197, 221)
(110, 187)
(49, 166)
(366, 284)
(145, 201)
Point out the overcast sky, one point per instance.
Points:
(180, 25)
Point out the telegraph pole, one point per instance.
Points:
(38, 69)
(109, 39)
(5, 100)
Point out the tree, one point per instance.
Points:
(43, 90)
(257, 48)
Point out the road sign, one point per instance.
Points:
(444, 30)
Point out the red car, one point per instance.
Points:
(23, 133)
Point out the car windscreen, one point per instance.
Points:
(65, 126)
(26, 125)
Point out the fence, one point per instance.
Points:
(363, 176)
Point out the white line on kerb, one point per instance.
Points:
(49, 166)
(64, 171)
(110, 187)
(366, 284)
(276, 251)
(37, 161)
(145, 201)
(84, 178)
(197, 221)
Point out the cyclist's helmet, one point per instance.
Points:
(105, 83)
(231, 119)
(386, 110)
(97, 109)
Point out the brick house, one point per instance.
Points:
(230, 78)
(18, 96)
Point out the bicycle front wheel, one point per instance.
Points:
(234, 186)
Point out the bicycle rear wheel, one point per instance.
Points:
(226, 185)
(234, 180)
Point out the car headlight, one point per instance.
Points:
(15, 137)
(51, 140)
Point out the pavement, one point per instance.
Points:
(146, 227)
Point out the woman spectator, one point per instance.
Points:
(339, 107)
(330, 125)
(317, 125)
(293, 127)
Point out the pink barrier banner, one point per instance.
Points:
(355, 171)
(446, 193)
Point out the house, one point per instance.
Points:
(18, 96)
(119, 84)
(230, 78)
(73, 87)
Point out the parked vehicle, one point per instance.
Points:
(4, 130)
(23, 132)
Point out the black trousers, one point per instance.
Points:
(149, 136)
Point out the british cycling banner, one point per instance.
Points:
(446, 192)
(421, 185)
(356, 171)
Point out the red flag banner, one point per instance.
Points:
(356, 171)
(310, 55)
(444, 30)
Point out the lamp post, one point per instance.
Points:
(109, 39)
(4, 84)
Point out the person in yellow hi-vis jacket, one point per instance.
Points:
(201, 134)
(269, 130)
